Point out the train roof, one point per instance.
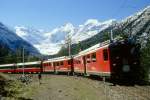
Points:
(58, 59)
(29, 63)
(6, 65)
(98, 46)
(94, 48)
(21, 64)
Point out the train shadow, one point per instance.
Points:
(119, 82)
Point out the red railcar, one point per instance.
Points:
(28, 67)
(78, 64)
(94, 60)
(60, 64)
(7, 68)
(48, 66)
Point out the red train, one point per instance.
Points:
(116, 60)
(56, 65)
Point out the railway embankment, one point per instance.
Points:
(11, 88)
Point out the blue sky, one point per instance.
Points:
(48, 14)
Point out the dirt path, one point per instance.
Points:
(62, 87)
(67, 88)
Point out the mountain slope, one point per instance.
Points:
(14, 42)
(137, 25)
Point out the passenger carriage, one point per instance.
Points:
(78, 64)
(28, 67)
(7, 68)
(61, 64)
(48, 66)
(93, 61)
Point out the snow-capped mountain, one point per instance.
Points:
(136, 27)
(90, 28)
(89, 32)
(13, 42)
(50, 42)
(34, 38)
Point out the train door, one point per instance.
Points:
(54, 65)
(14, 68)
(72, 66)
(84, 65)
(106, 62)
(41, 67)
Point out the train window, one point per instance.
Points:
(54, 64)
(94, 57)
(61, 63)
(105, 54)
(69, 62)
(49, 64)
(37, 65)
(7, 67)
(76, 61)
(57, 63)
(88, 58)
(45, 64)
(79, 62)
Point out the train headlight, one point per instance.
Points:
(114, 64)
(126, 68)
(135, 63)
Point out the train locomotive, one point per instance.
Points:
(117, 60)
(125, 61)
